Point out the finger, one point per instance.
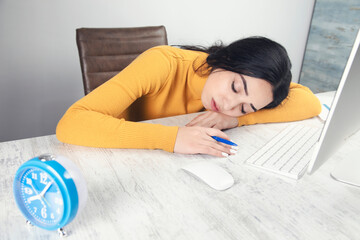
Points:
(214, 152)
(217, 126)
(223, 148)
(216, 132)
(219, 146)
(205, 122)
(216, 149)
(197, 119)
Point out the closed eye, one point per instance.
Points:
(233, 87)
(242, 109)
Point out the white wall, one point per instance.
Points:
(40, 73)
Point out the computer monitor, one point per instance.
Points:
(343, 121)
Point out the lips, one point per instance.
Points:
(213, 106)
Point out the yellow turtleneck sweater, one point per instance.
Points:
(164, 83)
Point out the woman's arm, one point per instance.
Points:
(300, 104)
(93, 120)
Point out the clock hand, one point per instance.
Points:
(46, 202)
(45, 189)
(36, 197)
(42, 194)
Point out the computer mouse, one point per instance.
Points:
(213, 175)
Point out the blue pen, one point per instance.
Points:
(219, 139)
(328, 108)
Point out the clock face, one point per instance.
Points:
(41, 197)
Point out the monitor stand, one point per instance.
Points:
(348, 170)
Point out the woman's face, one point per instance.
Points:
(235, 94)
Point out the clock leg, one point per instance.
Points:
(28, 223)
(62, 233)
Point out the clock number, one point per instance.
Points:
(28, 181)
(58, 201)
(52, 216)
(58, 211)
(35, 209)
(28, 191)
(43, 212)
(43, 178)
(34, 176)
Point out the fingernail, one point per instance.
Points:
(233, 151)
(224, 154)
(235, 147)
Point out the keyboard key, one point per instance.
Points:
(289, 152)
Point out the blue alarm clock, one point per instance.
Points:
(49, 191)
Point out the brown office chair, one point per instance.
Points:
(104, 52)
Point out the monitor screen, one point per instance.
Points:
(344, 116)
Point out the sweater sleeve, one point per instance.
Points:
(300, 104)
(93, 120)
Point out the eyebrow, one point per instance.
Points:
(245, 84)
(252, 106)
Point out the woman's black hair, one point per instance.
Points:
(257, 57)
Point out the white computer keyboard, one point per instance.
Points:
(289, 152)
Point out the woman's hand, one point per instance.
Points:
(212, 119)
(193, 140)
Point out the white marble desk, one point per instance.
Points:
(143, 194)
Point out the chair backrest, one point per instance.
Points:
(104, 52)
